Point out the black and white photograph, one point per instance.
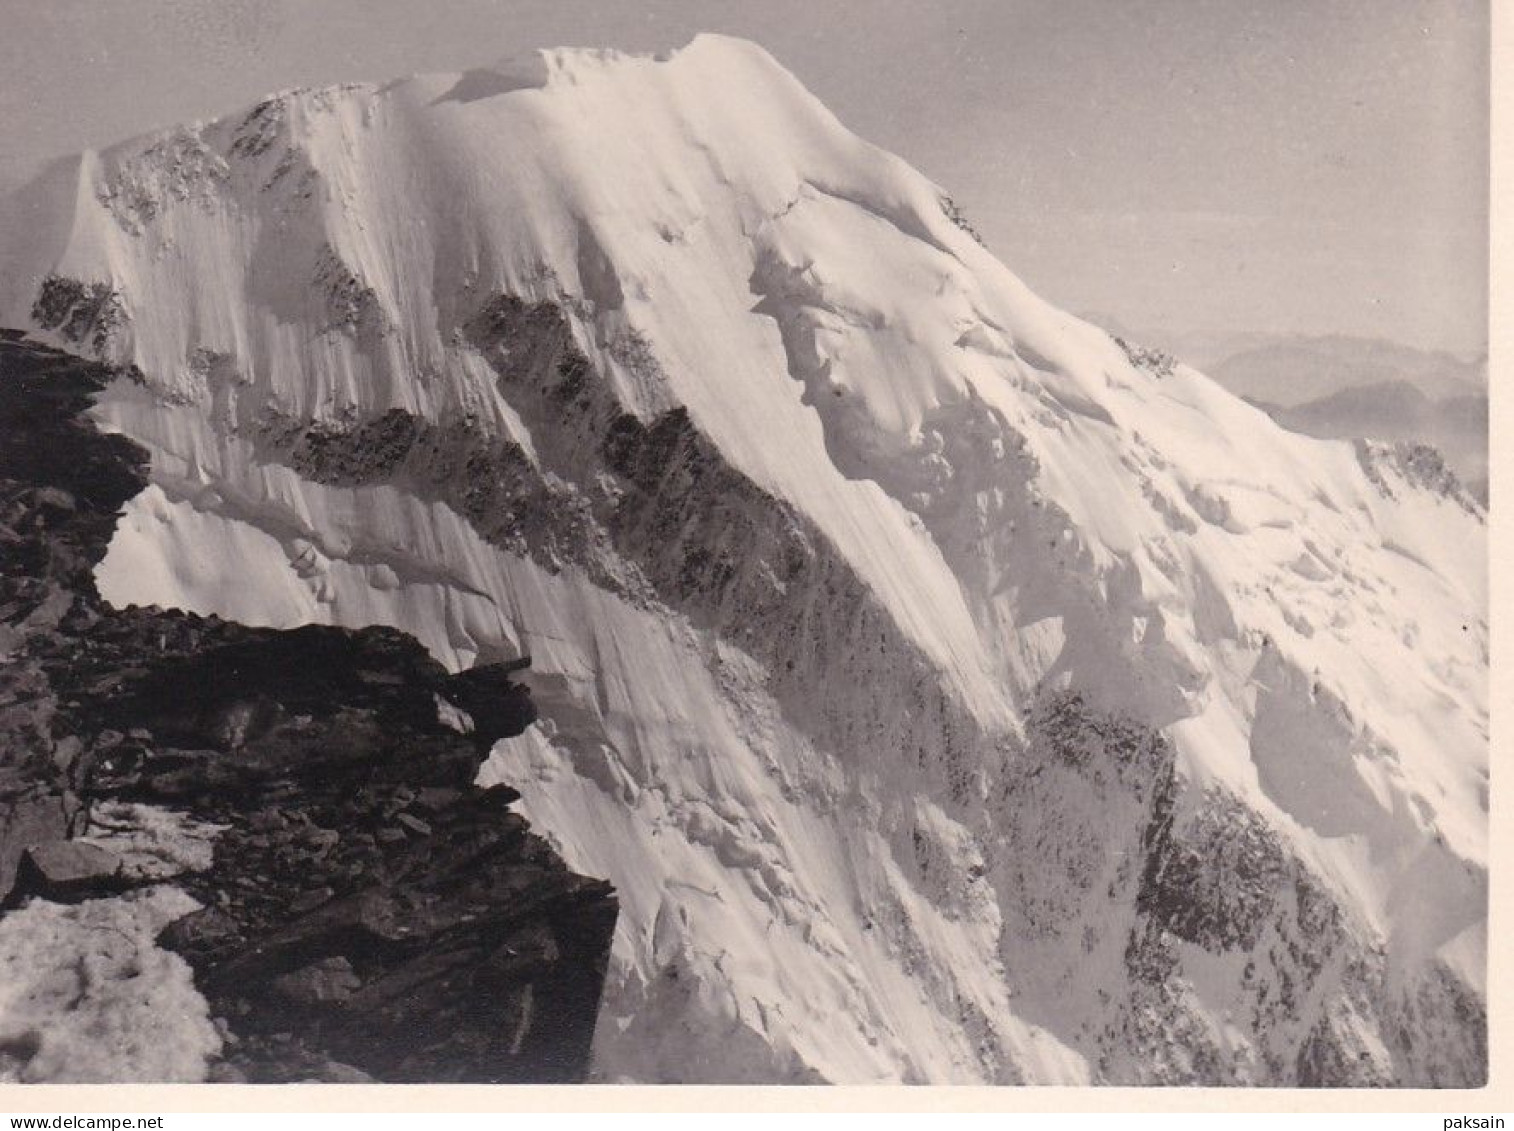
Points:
(684, 542)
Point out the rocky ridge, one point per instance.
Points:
(364, 911)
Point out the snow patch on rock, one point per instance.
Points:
(87, 997)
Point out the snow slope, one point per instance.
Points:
(950, 694)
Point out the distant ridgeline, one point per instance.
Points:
(292, 814)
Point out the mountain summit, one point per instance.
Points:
(951, 692)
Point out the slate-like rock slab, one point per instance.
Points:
(66, 870)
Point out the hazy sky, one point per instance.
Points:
(1187, 165)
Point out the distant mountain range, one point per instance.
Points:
(1341, 387)
(1295, 371)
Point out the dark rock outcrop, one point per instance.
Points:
(1111, 866)
(369, 913)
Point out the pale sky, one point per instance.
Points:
(1189, 166)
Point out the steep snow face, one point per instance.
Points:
(951, 692)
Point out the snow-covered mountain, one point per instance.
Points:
(951, 693)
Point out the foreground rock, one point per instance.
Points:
(366, 912)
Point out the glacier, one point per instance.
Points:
(951, 694)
